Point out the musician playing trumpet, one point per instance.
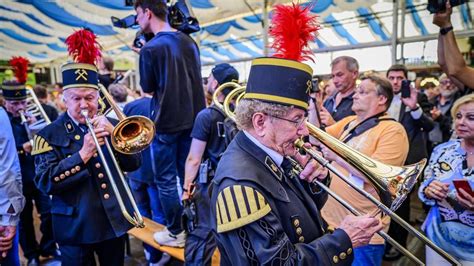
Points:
(15, 94)
(85, 211)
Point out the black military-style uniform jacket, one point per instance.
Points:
(263, 217)
(84, 206)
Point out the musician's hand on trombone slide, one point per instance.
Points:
(88, 147)
(312, 168)
(360, 229)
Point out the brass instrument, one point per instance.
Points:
(393, 183)
(33, 109)
(132, 134)
(219, 90)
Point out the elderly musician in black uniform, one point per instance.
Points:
(86, 215)
(262, 213)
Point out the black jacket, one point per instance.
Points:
(84, 207)
(262, 217)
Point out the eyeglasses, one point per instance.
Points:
(298, 123)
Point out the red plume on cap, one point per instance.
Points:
(83, 46)
(20, 68)
(292, 29)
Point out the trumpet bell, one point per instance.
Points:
(133, 134)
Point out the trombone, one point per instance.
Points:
(392, 183)
(131, 135)
(33, 109)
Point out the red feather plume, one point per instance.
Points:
(20, 68)
(292, 29)
(83, 46)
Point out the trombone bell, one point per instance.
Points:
(133, 134)
(393, 183)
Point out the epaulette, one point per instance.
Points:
(40, 145)
(237, 206)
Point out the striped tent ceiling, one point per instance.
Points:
(231, 30)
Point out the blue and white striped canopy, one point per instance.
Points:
(231, 31)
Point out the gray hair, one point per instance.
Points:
(351, 62)
(248, 107)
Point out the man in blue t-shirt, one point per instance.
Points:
(206, 148)
(170, 70)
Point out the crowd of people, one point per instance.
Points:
(230, 182)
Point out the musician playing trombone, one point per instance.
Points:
(85, 211)
(263, 213)
(15, 94)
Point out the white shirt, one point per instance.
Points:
(276, 157)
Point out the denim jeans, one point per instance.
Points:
(170, 152)
(13, 258)
(148, 203)
(368, 255)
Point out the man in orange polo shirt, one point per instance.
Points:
(374, 134)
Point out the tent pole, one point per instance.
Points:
(395, 31)
(265, 28)
(402, 31)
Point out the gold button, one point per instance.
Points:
(103, 186)
(301, 239)
(62, 176)
(77, 137)
(343, 255)
(299, 231)
(97, 165)
(335, 259)
(349, 251)
(296, 222)
(21, 151)
(106, 196)
(69, 155)
(100, 175)
(56, 179)
(95, 155)
(73, 171)
(78, 168)
(67, 173)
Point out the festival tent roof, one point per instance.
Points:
(231, 30)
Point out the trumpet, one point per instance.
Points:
(393, 183)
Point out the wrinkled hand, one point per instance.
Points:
(27, 147)
(327, 153)
(435, 113)
(412, 100)
(102, 122)
(442, 19)
(326, 118)
(88, 147)
(7, 233)
(465, 200)
(312, 168)
(360, 229)
(436, 190)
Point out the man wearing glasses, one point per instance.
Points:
(376, 135)
(262, 212)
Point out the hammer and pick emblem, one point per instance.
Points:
(81, 73)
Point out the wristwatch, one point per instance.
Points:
(443, 31)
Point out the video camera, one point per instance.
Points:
(179, 18)
(435, 6)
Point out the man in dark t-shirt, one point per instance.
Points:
(170, 70)
(206, 148)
